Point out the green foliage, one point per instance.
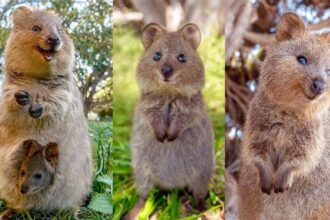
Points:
(101, 203)
(101, 135)
(127, 49)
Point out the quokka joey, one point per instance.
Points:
(38, 168)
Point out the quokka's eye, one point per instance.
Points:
(23, 173)
(271, 2)
(302, 60)
(157, 56)
(181, 58)
(36, 28)
(37, 176)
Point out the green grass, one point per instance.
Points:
(100, 206)
(127, 49)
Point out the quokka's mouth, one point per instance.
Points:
(47, 54)
(312, 97)
(31, 191)
(167, 79)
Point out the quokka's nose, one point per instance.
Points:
(318, 86)
(167, 70)
(24, 189)
(53, 40)
(35, 110)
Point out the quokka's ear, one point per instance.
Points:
(29, 147)
(191, 34)
(289, 27)
(51, 153)
(151, 33)
(21, 13)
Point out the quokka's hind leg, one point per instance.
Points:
(143, 182)
(8, 214)
(200, 195)
(76, 213)
(133, 214)
(143, 186)
(199, 189)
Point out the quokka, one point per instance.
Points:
(285, 166)
(41, 101)
(37, 170)
(172, 138)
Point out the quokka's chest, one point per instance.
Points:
(289, 140)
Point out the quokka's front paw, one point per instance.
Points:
(266, 186)
(265, 178)
(173, 132)
(22, 98)
(283, 181)
(160, 132)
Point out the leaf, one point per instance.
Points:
(105, 179)
(101, 203)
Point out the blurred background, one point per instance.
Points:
(89, 24)
(250, 28)
(129, 18)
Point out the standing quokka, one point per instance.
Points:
(37, 170)
(41, 101)
(172, 139)
(286, 143)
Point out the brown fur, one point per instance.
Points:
(285, 146)
(37, 160)
(8, 214)
(31, 80)
(172, 139)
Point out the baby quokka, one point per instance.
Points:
(37, 170)
(172, 138)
